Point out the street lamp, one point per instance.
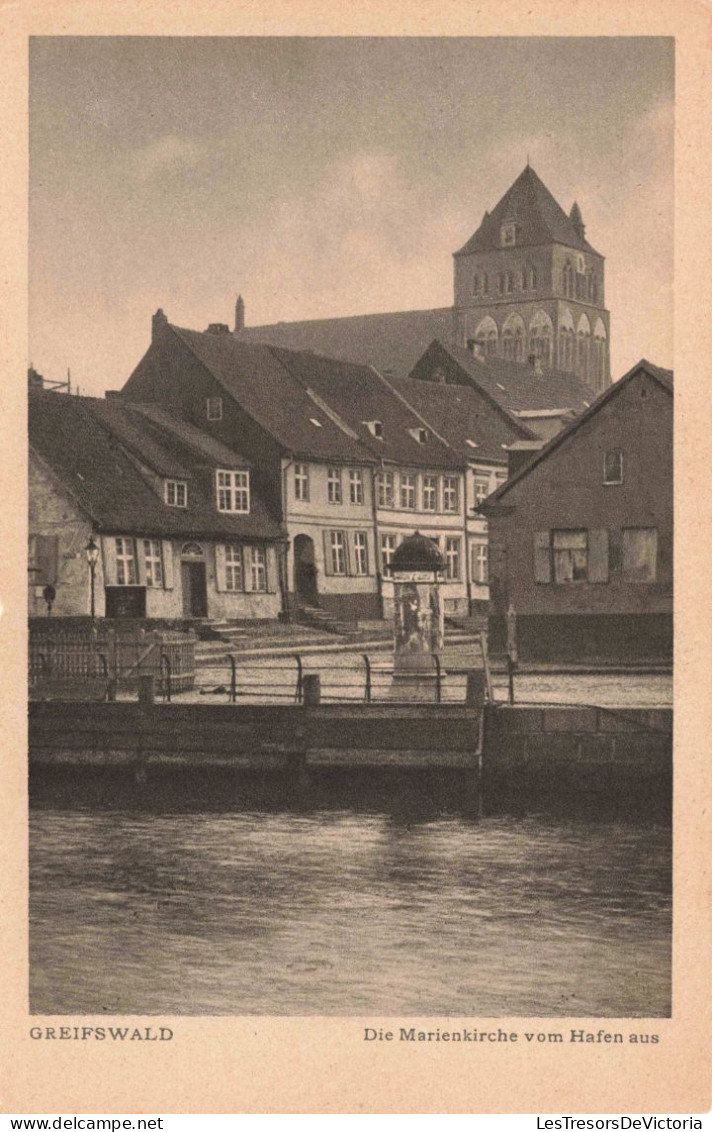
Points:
(92, 552)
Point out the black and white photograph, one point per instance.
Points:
(350, 537)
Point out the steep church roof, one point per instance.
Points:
(539, 219)
(392, 342)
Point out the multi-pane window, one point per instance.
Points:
(384, 489)
(301, 482)
(154, 563)
(481, 491)
(570, 556)
(613, 466)
(407, 492)
(355, 485)
(125, 562)
(234, 492)
(640, 554)
(176, 494)
(337, 546)
(388, 549)
(360, 563)
(452, 559)
(430, 493)
(258, 569)
(234, 576)
(333, 485)
(214, 408)
(480, 563)
(450, 493)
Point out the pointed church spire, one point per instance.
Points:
(577, 220)
(239, 314)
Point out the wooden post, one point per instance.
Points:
(146, 690)
(311, 685)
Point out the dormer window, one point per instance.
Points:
(214, 408)
(508, 234)
(175, 493)
(419, 434)
(375, 428)
(233, 492)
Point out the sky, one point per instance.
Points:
(327, 177)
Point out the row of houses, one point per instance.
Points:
(239, 480)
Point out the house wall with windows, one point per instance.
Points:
(58, 532)
(433, 503)
(581, 541)
(482, 480)
(152, 577)
(331, 560)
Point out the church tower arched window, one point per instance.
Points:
(541, 334)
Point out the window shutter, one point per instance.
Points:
(542, 557)
(349, 551)
(46, 552)
(220, 573)
(327, 553)
(140, 552)
(247, 568)
(598, 556)
(108, 550)
(167, 564)
(272, 567)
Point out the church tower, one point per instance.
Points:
(529, 284)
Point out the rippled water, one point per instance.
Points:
(346, 912)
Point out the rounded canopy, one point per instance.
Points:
(417, 553)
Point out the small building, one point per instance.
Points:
(183, 533)
(581, 537)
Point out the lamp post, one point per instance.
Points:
(92, 552)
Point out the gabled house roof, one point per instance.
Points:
(360, 395)
(516, 386)
(269, 393)
(456, 412)
(664, 377)
(392, 342)
(93, 452)
(540, 219)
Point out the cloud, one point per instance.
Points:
(164, 156)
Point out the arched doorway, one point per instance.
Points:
(305, 586)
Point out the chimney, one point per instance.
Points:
(476, 348)
(239, 314)
(218, 328)
(158, 323)
(535, 362)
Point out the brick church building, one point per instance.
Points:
(526, 284)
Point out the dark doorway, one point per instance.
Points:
(195, 589)
(305, 585)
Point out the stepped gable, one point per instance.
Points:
(539, 218)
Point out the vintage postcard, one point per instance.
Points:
(356, 608)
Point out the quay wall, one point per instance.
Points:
(517, 750)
